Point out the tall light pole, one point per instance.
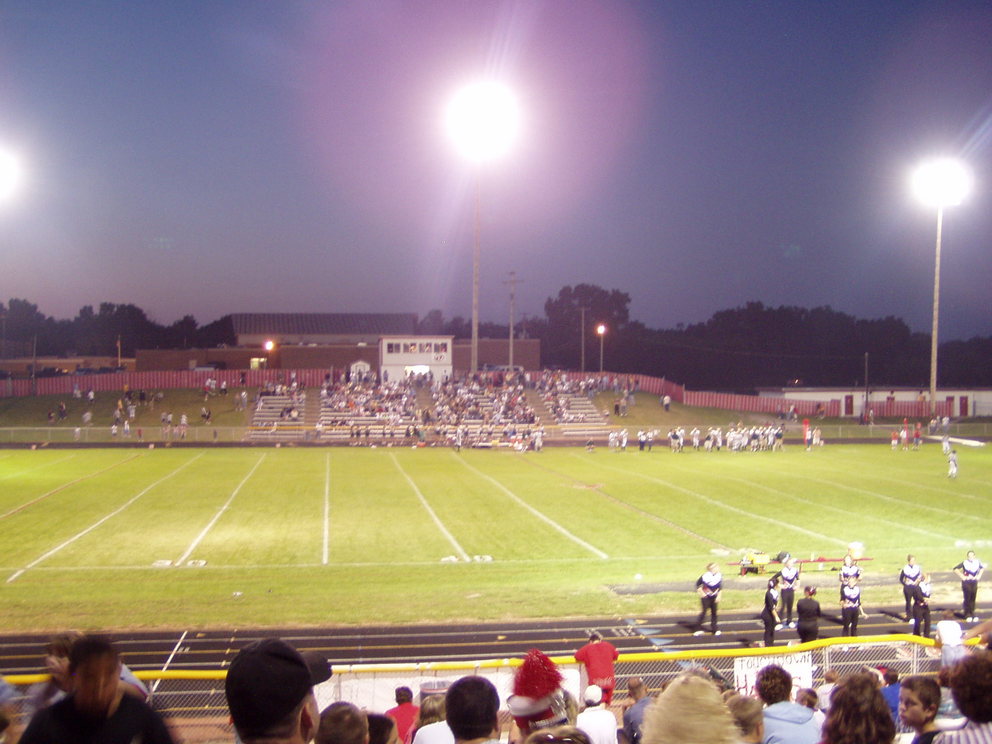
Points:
(942, 182)
(601, 331)
(482, 120)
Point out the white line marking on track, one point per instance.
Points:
(13, 577)
(64, 486)
(444, 530)
(547, 520)
(175, 650)
(327, 508)
(189, 551)
(728, 507)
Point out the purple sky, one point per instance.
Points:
(238, 156)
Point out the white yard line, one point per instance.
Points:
(728, 507)
(444, 530)
(37, 467)
(828, 507)
(327, 508)
(547, 520)
(64, 486)
(182, 559)
(902, 502)
(14, 576)
(175, 650)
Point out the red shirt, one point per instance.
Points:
(404, 714)
(598, 658)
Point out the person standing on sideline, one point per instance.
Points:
(769, 615)
(850, 603)
(909, 577)
(952, 464)
(790, 583)
(970, 571)
(808, 611)
(708, 588)
(849, 570)
(921, 607)
(598, 656)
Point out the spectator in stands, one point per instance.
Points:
(948, 715)
(858, 713)
(97, 710)
(58, 685)
(431, 712)
(971, 684)
(269, 691)
(472, 710)
(824, 691)
(690, 709)
(538, 700)
(891, 692)
(598, 657)
(785, 722)
(8, 713)
(599, 724)
(749, 716)
(382, 729)
(405, 712)
(948, 638)
(633, 716)
(343, 723)
(807, 696)
(919, 701)
(558, 735)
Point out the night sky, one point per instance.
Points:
(218, 156)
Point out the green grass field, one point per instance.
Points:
(116, 538)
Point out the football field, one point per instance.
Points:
(168, 537)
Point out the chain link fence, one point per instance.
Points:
(193, 702)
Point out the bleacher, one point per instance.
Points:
(270, 421)
(578, 418)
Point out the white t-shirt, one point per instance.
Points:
(599, 724)
(434, 733)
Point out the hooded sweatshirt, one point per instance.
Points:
(790, 723)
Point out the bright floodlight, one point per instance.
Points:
(270, 345)
(943, 182)
(10, 174)
(483, 120)
(601, 329)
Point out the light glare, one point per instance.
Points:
(10, 174)
(483, 121)
(943, 182)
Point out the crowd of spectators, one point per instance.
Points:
(272, 693)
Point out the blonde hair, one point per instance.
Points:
(690, 711)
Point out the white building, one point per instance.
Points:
(401, 356)
(894, 401)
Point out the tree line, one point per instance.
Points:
(737, 349)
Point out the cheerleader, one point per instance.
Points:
(790, 583)
(708, 588)
(769, 615)
(921, 607)
(909, 577)
(850, 603)
(850, 570)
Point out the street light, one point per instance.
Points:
(601, 330)
(942, 182)
(482, 120)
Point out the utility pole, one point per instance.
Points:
(582, 328)
(512, 282)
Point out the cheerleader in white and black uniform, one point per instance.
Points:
(790, 583)
(708, 587)
(850, 603)
(850, 570)
(909, 577)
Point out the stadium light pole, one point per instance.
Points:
(482, 120)
(941, 182)
(601, 331)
